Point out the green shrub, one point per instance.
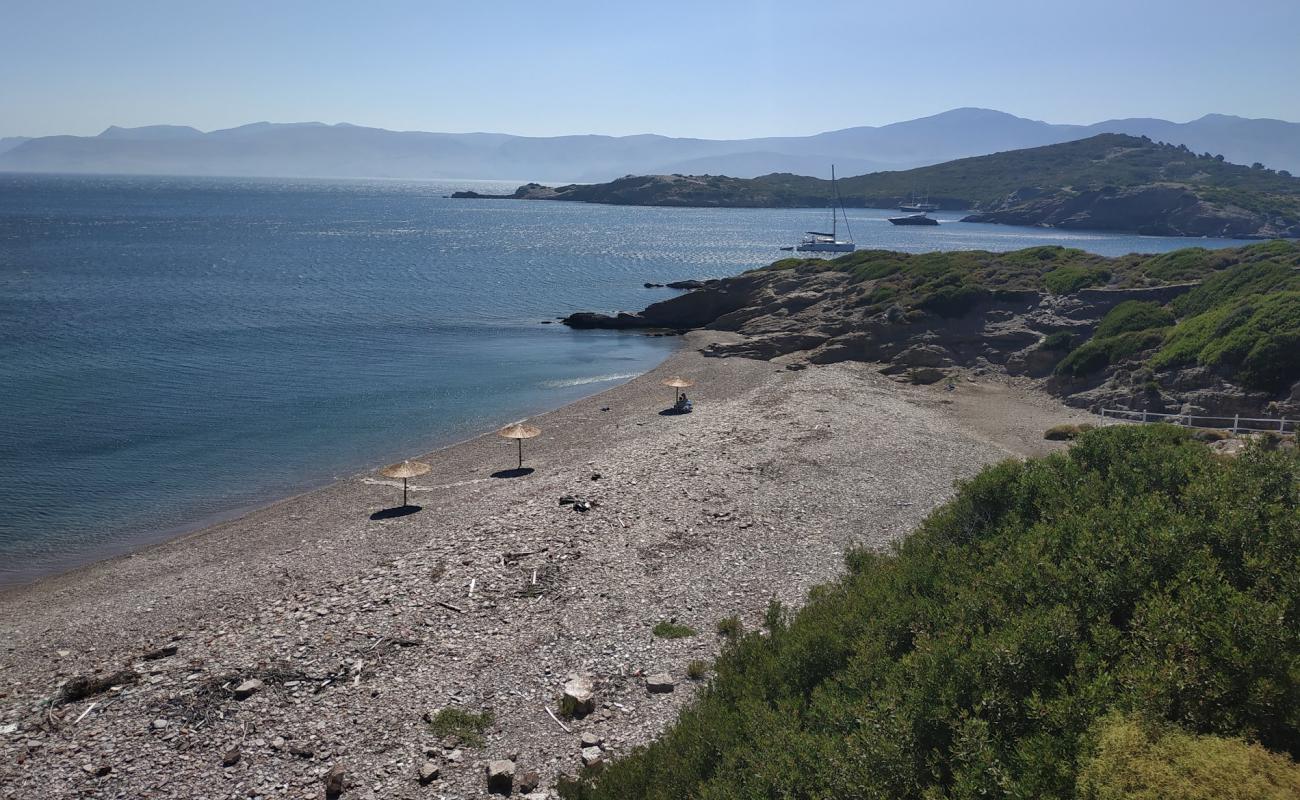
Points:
(1136, 573)
(1134, 315)
(1132, 761)
(671, 630)
(953, 301)
(464, 727)
(730, 627)
(1261, 277)
(1097, 354)
(697, 669)
(1070, 279)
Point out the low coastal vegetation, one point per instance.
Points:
(1110, 181)
(671, 630)
(459, 726)
(1117, 620)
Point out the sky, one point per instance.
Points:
(708, 69)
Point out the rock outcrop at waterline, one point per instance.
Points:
(817, 316)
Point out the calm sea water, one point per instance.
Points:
(173, 349)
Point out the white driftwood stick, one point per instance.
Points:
(89, 708)
(471, 586)
(557, 721)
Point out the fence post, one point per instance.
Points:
(1144, 415)
(1235, 419)
(1281, 425)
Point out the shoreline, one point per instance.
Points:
(138, 542)
(489, 596)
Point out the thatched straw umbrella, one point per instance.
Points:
(520, 431)
(404, 470)
(678, 383)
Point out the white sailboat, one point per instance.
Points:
(820, 242)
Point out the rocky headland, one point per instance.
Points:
(1107, 182)
(1078, 343)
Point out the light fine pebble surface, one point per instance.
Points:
(300, 651)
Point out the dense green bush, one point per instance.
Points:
(1097, 353)
(1260, 277)
(1070, 279)
(1136, 573)
(1255, 338)
(1134, 315)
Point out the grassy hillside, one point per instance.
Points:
(1120, 615)
(1244, 318)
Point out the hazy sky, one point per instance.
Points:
(713, 69)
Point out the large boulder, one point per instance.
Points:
(579, 698)
(500, 776)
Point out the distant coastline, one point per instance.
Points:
(1110, 182)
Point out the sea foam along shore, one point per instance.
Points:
(359, 629)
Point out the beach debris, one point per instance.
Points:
(579, 698)
(428, 773)
(591, 756)
(528, 782)
(568, 500)
(161, 652)
(583, 505)
(659, 683)
(500, 776)
(5, 730)
(159, 724)
(248, 688)
(84, 686)
(231, 758)
(336, 780)
(301, 751)
(595, 476)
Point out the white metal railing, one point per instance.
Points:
(1236, 424)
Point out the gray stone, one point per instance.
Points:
(248, 688)
(428, 773)
(591, 756)
(336, 780)
(528, 782)
(659, 683)
(590, 739)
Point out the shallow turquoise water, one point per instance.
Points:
(175, 348)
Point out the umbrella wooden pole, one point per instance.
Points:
(521, 452)
(403, 492)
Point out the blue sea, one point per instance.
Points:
(175, 349)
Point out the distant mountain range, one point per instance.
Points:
(344, 150)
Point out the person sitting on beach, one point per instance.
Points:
(683, 403)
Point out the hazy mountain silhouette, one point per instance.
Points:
(343, 150)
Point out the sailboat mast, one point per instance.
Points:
(834, 194)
